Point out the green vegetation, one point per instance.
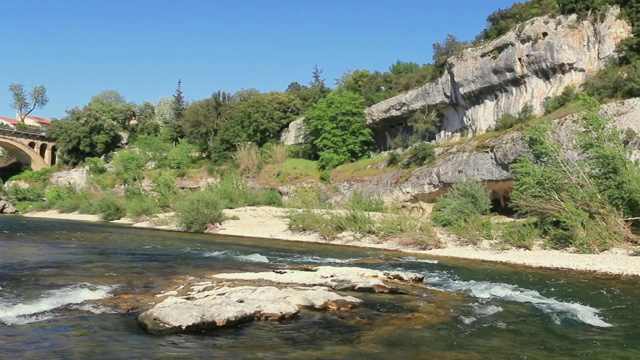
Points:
(337, 130)
(507, 121)
(579, 203)
(461, 211)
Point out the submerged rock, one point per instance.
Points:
(339, 278)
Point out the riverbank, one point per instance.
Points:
(270, 223)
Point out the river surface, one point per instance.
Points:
(52, 272)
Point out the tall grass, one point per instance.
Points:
(277, 154)
(247, 157)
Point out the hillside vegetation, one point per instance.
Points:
(141, 155)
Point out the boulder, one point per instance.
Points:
(206, 309)
(6, 208)
(75, 178)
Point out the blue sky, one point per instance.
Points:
(78, 48)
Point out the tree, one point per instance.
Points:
(25, 103)
(111, 105)
(202, 119)
(404, 68)
(448, 48)
(259, 120)
(337, 130)
(84, 133)
(172, 130)
(108, 97)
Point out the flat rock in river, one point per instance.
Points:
(339, 278)
(208, 307)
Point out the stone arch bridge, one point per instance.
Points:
(34, 149)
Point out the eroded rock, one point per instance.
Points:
(227, 306)
(339, 278)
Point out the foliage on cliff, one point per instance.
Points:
(579, 202)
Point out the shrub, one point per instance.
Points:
(309, 198)
(109, 207)
(182, 156)
(507, 121)
(141, 206)
(128, 166)
(269, 197)
(35, 175)
(393, 159)
(95, 165)
(165, 186)
(421, 154)
(463, 204)
(359, 202)
(555, 103)
(17, 193)
(277, 154)
(199, 209)
(521, 235)
(247, 157)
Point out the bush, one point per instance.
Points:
(277, 154)
(128, 166)
(165, 186)
(95, 165)
(521, 235)
(464, 204)
(358, 202)
(182, 156)
(393, 159)
(17, 193)
(309, 198)
(141, 206)
(507, 121)
(199, 209)
(109, 207)
(421, 154)
(247, 157)
(555, 103)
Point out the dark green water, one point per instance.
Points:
(49, 270)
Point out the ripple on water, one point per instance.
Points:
(17, 312)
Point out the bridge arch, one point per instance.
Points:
(23, 153)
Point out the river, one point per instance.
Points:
(52, 272)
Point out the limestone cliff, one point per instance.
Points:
(485, 160)
(527, 65)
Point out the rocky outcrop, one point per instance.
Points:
(75, 178)
(486, 160)
(537, 60)
(294, 134)
(209, 305)
(7, 208)
(229, 306)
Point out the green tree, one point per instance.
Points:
(404, 68)
(84, 133)
(203, 119)
(25, 103)
(172, 130)
(337, 130)
(451, 46)
(259, 120)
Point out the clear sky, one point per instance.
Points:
(78, 48)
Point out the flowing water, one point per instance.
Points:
(52, 273)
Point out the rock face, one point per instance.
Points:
(484, 160)
(294, 134)
(209, 305)
(76, 178)
(537, 60)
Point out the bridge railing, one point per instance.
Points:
(24, 134)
